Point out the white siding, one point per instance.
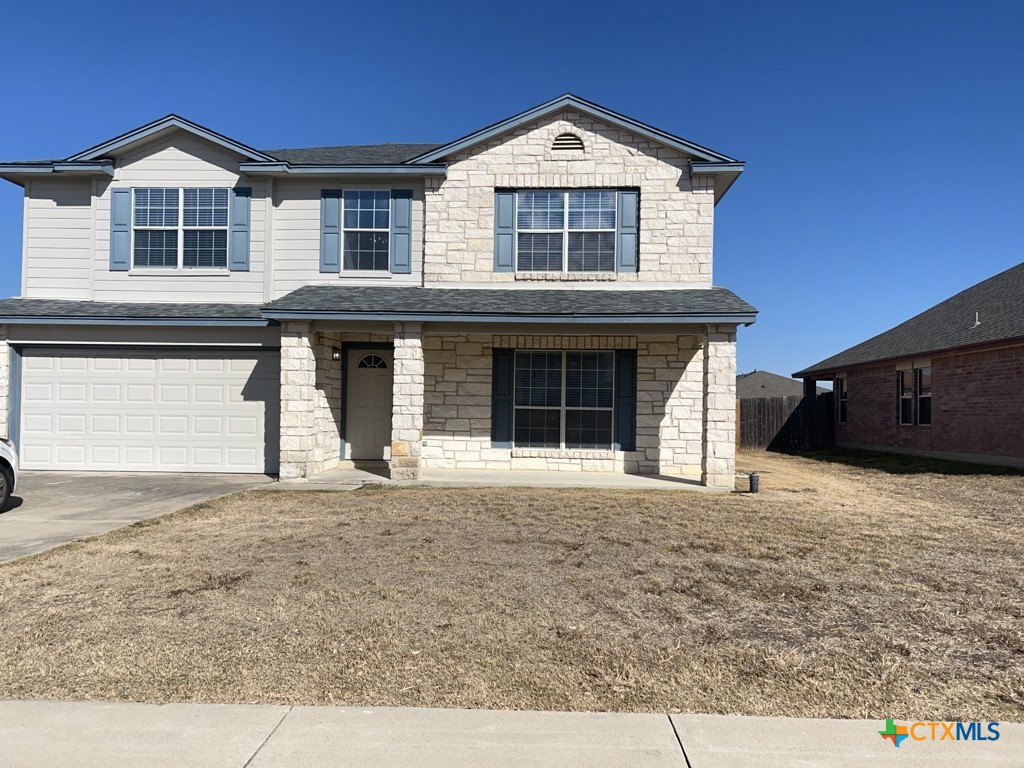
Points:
(180, 159)
(58, 238)
(297, 234)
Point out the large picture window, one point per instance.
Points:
(367, 223)
(564, 399)
(180, 228)
(565, 231)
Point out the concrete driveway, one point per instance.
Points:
(53, 508)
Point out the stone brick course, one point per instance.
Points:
(407, 402)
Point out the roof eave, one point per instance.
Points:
(725, 174)
(833, 369)
(287, 169)
(18, 172)
(155, 127)
(738, 318)
(176, 321)
(568, 101)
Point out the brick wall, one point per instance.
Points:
(676, 210)
(977, 407)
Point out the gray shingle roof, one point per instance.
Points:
(339, 299)
(362, 154)
(63, 309)
(765, 384)
(998, 302)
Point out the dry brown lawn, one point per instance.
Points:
(841, 591)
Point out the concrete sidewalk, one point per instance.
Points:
(112, 735)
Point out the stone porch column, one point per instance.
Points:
(407, 409)
(719, 455)
(298, 385)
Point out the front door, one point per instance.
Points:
(368, 416)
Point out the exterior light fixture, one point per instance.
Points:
(336, 353)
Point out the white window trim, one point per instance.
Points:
(562, 406)
(565, 232)
(180, 269)
(376, 273)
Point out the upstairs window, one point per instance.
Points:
(565, 231)
(180, 228)
(367, 225)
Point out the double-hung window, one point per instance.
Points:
(180, 228)
(367, 223)
(565, 231)
(905, 397)
(923, 384)
(841, 400)
(564, 400)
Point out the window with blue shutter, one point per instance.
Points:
(330, 230)
(241, 216)
(502, 384)
(401, 231)
(558, 231)
(120, 230)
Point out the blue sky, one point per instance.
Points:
(883, 140)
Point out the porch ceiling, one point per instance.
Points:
(336, 302)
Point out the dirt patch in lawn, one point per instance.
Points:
(838, 591)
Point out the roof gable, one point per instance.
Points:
(169, 122)
(569, 101)
(991, 311)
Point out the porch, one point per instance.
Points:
(348, 477)
(444, 403)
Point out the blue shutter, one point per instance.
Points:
(502, 382)
(625, 400)
(401, 231)
(330, 230)
(120, 230)
(504, 231)
(627, 224)
(241, 214)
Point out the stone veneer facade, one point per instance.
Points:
(676, 209)
(442, 403)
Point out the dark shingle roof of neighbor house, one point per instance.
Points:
(361, 154)
(320, 300)
(997, 303)
(63, 309)
(765, 384)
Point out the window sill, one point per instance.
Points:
(375, 274)
(568, 277)
(568, 453)
(180, 272)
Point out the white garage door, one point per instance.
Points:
(150, 410)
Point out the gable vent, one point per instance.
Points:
(567, 142)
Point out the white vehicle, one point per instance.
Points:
(8, 471)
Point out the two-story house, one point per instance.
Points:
(535, 295)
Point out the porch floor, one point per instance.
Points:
(352, 478)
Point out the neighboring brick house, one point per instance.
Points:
(947, 383)
(535, 295)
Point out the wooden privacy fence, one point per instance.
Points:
(782, 423)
